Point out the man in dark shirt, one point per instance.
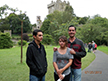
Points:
(78, 52)
(36, 58)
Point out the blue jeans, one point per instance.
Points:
(75, 75)
(34, 78)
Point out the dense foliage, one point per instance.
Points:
(47, 39)
(96, 29)
(12, 21)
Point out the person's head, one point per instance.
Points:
(89, 43)
(63, 41)
(38, 35)
(72, 31)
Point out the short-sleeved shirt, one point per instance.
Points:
(62, 60)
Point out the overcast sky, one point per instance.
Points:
(39, 7)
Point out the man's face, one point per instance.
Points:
(39, 36)
(72, 32)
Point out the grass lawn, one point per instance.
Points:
(103, 49)
(12, 70)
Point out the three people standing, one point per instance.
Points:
(69, 48)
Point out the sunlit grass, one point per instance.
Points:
(103, 49)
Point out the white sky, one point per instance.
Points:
(39, 7)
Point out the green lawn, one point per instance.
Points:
(103, 49)
(12, 70)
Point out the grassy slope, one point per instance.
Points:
(103, 49)
(12, 70)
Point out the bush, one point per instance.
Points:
(47, 39)
(24, 42)
(25, 37)
(5, 41)
(30, 35)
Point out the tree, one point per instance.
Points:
(83, 20)
(13, 21)
(89, 32)
(5, 41)
(101, 21)
(103, 24)
(45, 26)
(68, 14)
(2, 11)
(55, 16)
(4, 25)
(106, 37)
(47, 39)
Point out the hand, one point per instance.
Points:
(61, 77)
(72, 51)
(55, 49)
(60, 71)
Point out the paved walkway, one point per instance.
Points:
(98, 69)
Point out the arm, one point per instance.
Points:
(56, 67)
(45, 55)
(60, 71)
(29, 59)
(67, 66)
(54, 61)
(82, 53)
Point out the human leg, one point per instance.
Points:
(77, 74)
(71, 76)
(42, 78)
(33, 78)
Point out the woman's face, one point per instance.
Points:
(62, 43)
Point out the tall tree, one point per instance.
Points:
(99, 20)
(83, 20)
(45, 26)
(4, 25)
(68, 14)
(13, 21)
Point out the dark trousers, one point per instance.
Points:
(56, 77)
(89, 49)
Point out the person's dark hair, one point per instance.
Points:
(64, 39)
(36, 31)
(72, 26)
